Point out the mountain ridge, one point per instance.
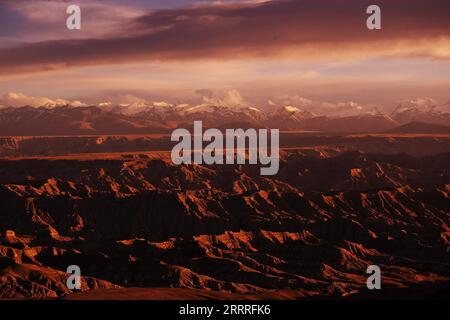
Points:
(85, 120)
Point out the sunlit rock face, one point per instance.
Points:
(311, 230)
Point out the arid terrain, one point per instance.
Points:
(224, 150)
(140, 227)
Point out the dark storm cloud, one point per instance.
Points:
(273, 28)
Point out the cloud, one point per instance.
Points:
(229, 98)
(129, 99)
(43, 20)
(329, 109)
(295, 29)
(345, 109)
(16, 99)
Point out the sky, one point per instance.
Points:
(271, 52)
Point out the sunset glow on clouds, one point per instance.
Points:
(318, 49)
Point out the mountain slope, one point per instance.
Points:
(163, 118)
(67, 120)
(420, 110)
(421, 127)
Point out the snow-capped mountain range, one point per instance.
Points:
(422, 110)
(142, 117)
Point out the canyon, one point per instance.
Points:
(140, 226)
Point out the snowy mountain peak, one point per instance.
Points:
(422, 110)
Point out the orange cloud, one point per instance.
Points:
(286, 28)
